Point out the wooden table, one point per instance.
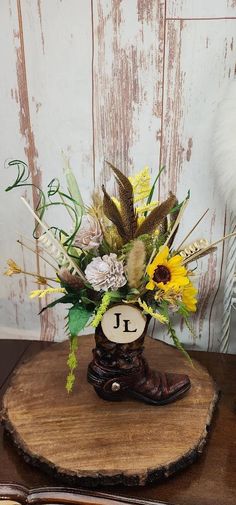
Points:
(211, 480)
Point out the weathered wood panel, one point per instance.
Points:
(209, 9)
(17, 140)
(199, 61)
(52, 103)
(60, 97)
(128, 40)
(119, 80)
(58, 48)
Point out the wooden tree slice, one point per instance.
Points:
(88, 441)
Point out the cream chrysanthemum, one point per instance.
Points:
(106, 273)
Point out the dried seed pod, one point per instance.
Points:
(194, 247)
(73, 281)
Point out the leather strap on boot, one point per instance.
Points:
(111, 380)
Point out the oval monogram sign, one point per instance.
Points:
(123, 323)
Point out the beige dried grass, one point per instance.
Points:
(136, 264)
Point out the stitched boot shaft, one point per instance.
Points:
(118, 370)
(114, 363)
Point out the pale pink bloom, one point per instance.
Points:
(89, 235)
(105, 273)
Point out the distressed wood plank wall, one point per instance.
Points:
(133, 81)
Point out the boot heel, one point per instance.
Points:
(108, 396)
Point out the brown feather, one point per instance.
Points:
(126, 196)
(156, 216)
(163, 227)
(112, 213)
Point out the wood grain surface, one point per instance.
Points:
(209, 481)
(84, 439)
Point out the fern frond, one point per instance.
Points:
(177, 342)
(72, 364)
(106, 299)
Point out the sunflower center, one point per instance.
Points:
(161, 274)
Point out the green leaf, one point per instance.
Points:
(78, 318)
(84, 259)
(73, 187)
(68, 298)
(116, 295)
(104, 248)
(87, 301)
(153, 187)
(163, 309)
(178, 207)
(160, 241)
(132, 294)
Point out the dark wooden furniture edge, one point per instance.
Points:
(61, 495)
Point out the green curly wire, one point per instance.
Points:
(46, 201)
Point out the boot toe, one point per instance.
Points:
(178, 383)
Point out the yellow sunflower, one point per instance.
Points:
(189, 298)
(166, 273)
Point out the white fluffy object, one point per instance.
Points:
(224, 147)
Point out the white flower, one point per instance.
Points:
(89, 235)
(105, 273)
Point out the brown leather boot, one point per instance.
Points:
(120, 369)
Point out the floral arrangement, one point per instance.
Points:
(117, 250)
